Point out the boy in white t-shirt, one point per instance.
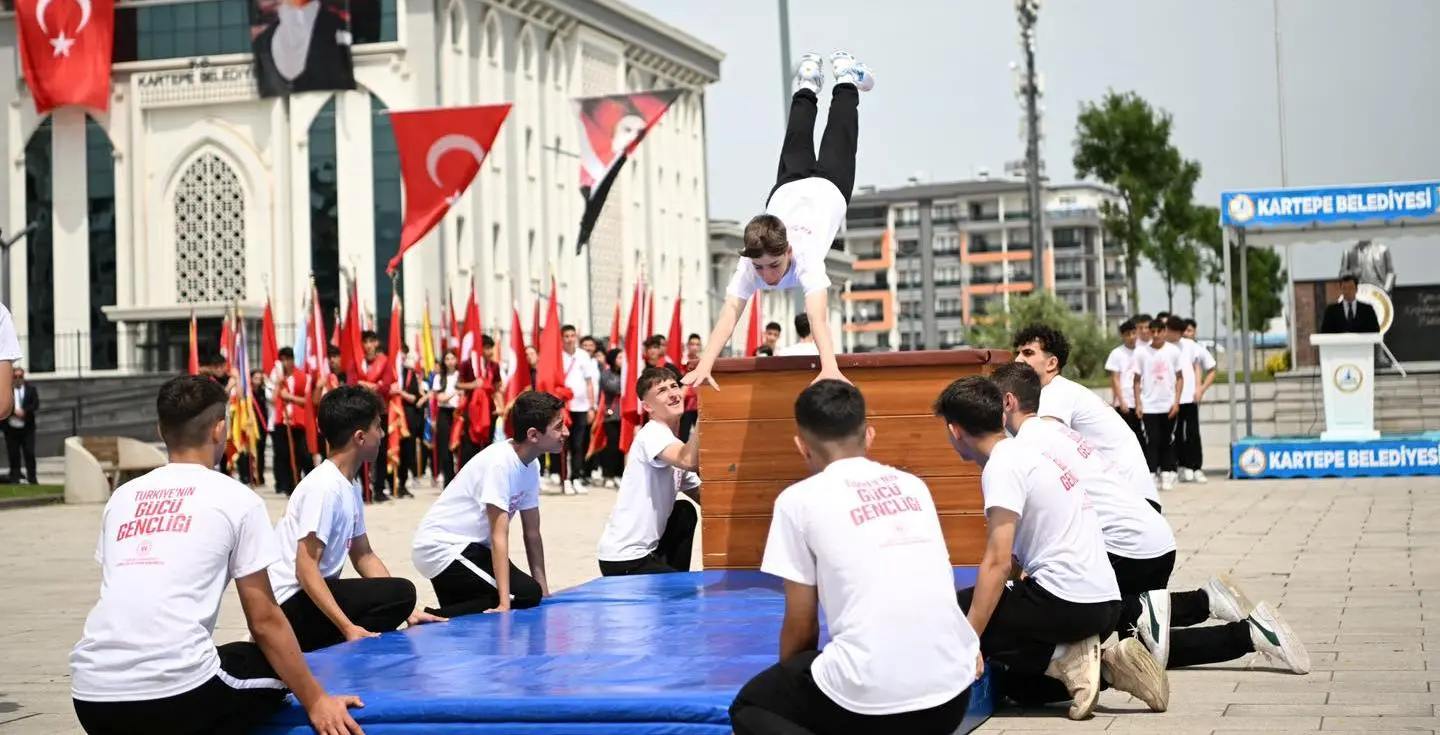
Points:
(170, 542)
(901, 658)
(1159, 376)
(1199, 375)
(463, 544)
(1049, 622)
(324, 524)
(650, 530)
(9, 355)
(1141, 547)
(1062, 399)
(786, 246)
(1120, 364)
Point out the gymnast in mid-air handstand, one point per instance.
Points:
(786, 246)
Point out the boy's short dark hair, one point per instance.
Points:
(369, 336)
(533, 410)
(1157, 324)
(346, 410)
(1127, 326)
(567, 328)
(286, 353)
(651, 377)
(831, 410)
(765, 235)
(975, 404)
(1021, 381)
(1189, 323)
(1051, 340)
(1349, 278)
(486, 341)
(1142, 319)
(213, 359)
(773, 327)
(333, 351)
(692, 336)
(802, 325)
(189, 406)
(654, 340)
(1175, 323)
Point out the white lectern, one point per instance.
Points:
(1347, 367)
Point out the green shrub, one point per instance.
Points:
(1090, 343)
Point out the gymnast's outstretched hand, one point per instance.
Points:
(699, 375)
(830, 374)
(420, 617)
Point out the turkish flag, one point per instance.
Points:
(440, 154)
(611, 128)
(65, 48)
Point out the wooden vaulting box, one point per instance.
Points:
(748, 455)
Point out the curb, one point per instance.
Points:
(31, 502)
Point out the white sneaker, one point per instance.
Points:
(1199, 476)
(581, 488)
(809, 73)
(1227, 602)
(1186, 475)
(1078, 668)
(568, 487)
(1131, 669)
(850, 71)
(1167, 480)
(555, 478)
(1154, 624)
(1276, 640)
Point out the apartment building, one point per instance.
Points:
(932, 258)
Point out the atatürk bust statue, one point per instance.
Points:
(1370, 263)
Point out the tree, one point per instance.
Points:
(1173, 252)
(1089, 343)
(1125, 143)
(1265, 276)
(1206, 237)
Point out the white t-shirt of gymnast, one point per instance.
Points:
(1132, 528)
(648, 491)
(1057, 537)
(812, 210)
(1159, 369)
(1122, 362)
(853, 530)
(329, 505)
(1079, 408)
(460, 517)
(170, 542)
(1193, 354)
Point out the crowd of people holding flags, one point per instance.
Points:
(447, 395)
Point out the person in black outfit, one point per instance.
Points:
(1349, 315)
(411, 390)
(20, 429)
(305, 47)
(252, 467)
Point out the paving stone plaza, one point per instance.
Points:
(1353, 565)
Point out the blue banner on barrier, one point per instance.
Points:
(1280, 457)
(1331, 205)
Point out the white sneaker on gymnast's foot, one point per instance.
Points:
(850, 71)
(809, 73)
(1227, 602)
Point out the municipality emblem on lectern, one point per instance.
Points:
(1349, 378)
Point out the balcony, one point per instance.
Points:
(1114, 277)
(862, 287)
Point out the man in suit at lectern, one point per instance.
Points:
(1349, 315)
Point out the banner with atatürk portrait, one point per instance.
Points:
(302, 46)
(611, 128)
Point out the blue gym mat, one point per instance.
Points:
(659, 654)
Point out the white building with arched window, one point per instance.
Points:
(193, 195)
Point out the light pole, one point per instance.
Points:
(1284, 182)
(1028, 12)
(785, 59)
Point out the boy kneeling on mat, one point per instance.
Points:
(652, 531)
(463, 543)
(170, 542)
(901, 657)
(324, 523)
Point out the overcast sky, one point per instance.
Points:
(1361, 90)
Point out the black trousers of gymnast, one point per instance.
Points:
(467, 586)
(1027, 625)
(377, 604)
(1136, 425)
(1159, 441)
(836, 161)
(784, 700)
(672, 552)
(241, 697)
(1189, 453)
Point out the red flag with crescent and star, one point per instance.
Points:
(611, 128)
(440, 154)
(65, 49)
